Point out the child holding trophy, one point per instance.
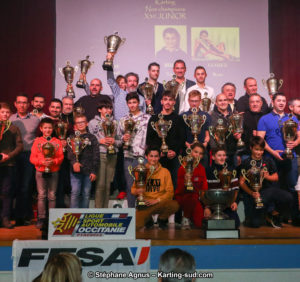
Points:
(104, 128)
(188, 196)
(157, 193)
(259, 179)
(47, 156)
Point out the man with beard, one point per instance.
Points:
(250, 86)
(120, 104)
(67, 110)
(90, 102)
(38, 103)
(153, 72)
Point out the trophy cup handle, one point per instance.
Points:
(204, 118)
(122, 41)
(264, 83)
(229, 131)
(153, 126)
(262, 175)
(185, 118)
(211, 131)
(130, 172)
(280, 83)
(234, 173)
(61, 72)
(170, 124)
(152, 170)
(164, 84)
(76, 69)
(216, 174)
(180, 158)
(243, 172)
(105, 39)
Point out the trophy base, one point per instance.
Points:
(141, 206)
(79, 84)
(108, 66)
(259, 206)
(218, 229)
(288, 155)
(222, 234)
(189, 189)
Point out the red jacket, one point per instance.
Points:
(198, 179)
(37, 157)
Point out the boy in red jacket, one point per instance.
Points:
(46, 156)
(189, 200)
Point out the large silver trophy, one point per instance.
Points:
(272, 84)
(189, 163)
(109, 127)
(130, 126)
(113, 42)
(220, 132)
(195, 122)
(162, 127)
(289, 129)
(255, 177)
(141, 174)
(173, 86)
(68, 73)
(84, 67)
(205, 103)
(77, 144)
(236, 123)
(147, 89)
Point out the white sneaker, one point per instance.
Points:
(185, 224)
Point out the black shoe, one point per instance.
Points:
(162, 223)
(273, 221)
(149, 224)
(6, 223)
(19, 222)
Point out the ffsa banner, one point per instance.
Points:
(101, 260)
(91, 224)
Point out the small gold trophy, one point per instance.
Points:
(84, 67)
(48, 149)
(255, 177)
(113, 42)
(77, 144)
(141, 174)
(173, 86)
(109, 128)
(162, 127)
(147, 89)
(129, 127)
(272, 84)
(205, 103)
(236, 123)
(79, 110)
(289, 129)
(220, 132)
(61, 129)
(225, 176)
(68, 72)
(195, 122)
(189, 163)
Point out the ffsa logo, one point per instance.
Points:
(89, 256)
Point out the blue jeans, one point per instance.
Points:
(129, 180)
(81, 184)
(24, 177)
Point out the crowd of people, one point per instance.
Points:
(96, 139)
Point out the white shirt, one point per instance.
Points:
(210, 94)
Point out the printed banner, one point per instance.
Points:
(100, 259)
(91, 224)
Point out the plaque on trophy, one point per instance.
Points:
(220, 132)
(84, 67)
(77, 144)
(236, 123)
(68, 72)
(194, 122)
(289, 129)
(112, 42)
(141, 174)
(147, 89)
(109, 127)
(255, 177)
(272, 84)
(162, 127)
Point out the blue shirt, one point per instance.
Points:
(201, 136)
(272, 124)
